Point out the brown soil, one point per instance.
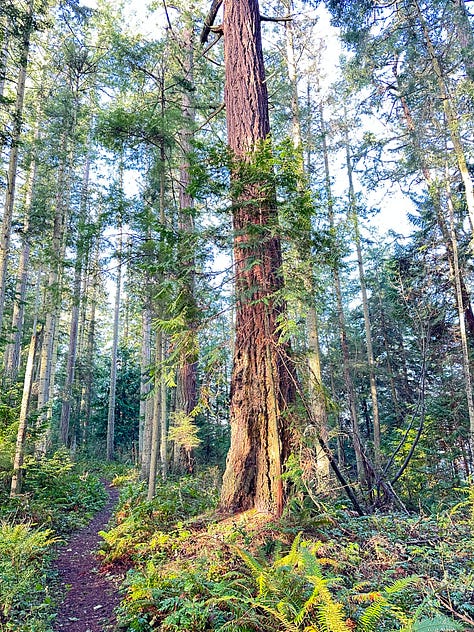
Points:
(91, 596)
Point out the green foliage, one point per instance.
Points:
(24, 600)
(141, 523)
(56, 494)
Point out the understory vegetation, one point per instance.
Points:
(319, 569)
(58, 498)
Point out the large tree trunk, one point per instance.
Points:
(262, 380)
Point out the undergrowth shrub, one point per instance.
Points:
(25, 604)
(56, 494)
(140, 522)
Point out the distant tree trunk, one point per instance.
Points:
(13, 348)
(262, 378)
(186, 387)
(365, 308)
(462, 326)
(315, 381)
(53, 296)
(25, 402)
(145, 421)
(5, 234)
(75, 311)
(157, 420)
(346, 368)
(86, 390)
(113, 355)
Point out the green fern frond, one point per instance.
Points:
(369, 620)
(400, 585)
(441, 623)
(288, 625)
(331, 617)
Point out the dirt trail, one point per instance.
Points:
(89, 604)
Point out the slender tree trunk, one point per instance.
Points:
(434, 193)
(187, 388)
(144, 429)
(262, 379)
(75, 311)
(113, 356)
(52, 297)
(5, 234)
(346, 368)
(462, 326)
(86, 391)
(365, 308)
(13, 348)
(25, 402)
(157, 420)
(315, 382)
(4, 57)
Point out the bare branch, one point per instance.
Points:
(284, 18)
(209, 21)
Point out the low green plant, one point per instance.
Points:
(24, 600)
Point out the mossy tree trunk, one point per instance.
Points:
(262, 380)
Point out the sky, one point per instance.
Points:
(393, 203)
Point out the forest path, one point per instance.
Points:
(89, 603)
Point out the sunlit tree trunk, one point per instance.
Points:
(262, 378)
(25, 403)
(145, 421)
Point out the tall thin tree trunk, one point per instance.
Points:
(157, 420)
(462, 326)
(5, 234)
(186, 388)
(365, 307)
(86, 391)
(346, 368)
(262, 383)
(74, 324)
(144, 428)
(52, 297)
(113, 355)
(25, 402)
(13, 348)
(315, 381)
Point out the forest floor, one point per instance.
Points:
(91, 597)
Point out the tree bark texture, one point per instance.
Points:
(262, 381)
